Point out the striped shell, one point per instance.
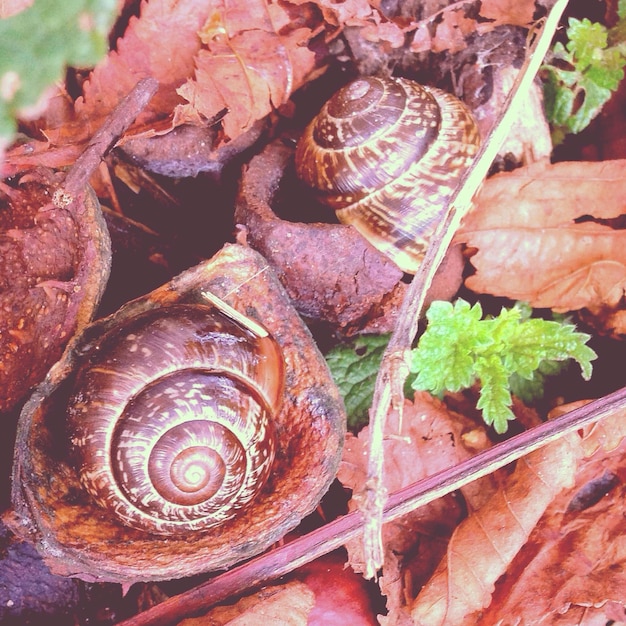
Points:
(387, 154)
(171, 419)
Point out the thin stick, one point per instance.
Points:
(394, 368)
(107, 136)
(331, 536)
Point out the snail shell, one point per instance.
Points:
(171, 417)
(387, 154)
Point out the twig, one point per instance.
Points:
(289, 557)
(107, 136)
(394, 368)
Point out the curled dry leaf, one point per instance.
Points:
(54, 266)
(210, 57)
(248, 71)
(574, 562)
(487, 544)
(214, 62)
(431, 438)
(544, 234)
(483, 545)
(323, 593)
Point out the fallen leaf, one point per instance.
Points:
(449, 28)
(538, 235)
(431, 438)
(508, 11)
(341, 596)
(246, 66)
(484, 544)
(574, 563)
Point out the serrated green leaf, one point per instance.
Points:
(458, 348)
(495, 397)
(444, 365)
(586, 41)
(583, 75)
(37, 44)
(354, 367)
(531, 389)
(608, 71)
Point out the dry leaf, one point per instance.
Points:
(448, 28)
(432, 438)
(341, 596)
(538, 235)
(575, 559)
(508, 11)
(484, 544)
(211, 59)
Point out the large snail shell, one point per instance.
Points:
(387, 154)
(172, 418)
(170, 341)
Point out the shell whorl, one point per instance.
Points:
(387, 154)
(171, 418)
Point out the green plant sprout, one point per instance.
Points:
(582, 75)
(459, 348)
(508, 354)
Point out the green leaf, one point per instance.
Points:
(586, 41)
(531, 389)
(495, 397)
(354, 367)
(459, 348)
(37, 45)
(582, 75)
(444, 365)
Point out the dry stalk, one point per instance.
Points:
(394, 368)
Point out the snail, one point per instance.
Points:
(247, 437)
(387, 155)
(171, 420)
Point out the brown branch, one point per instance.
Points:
(107, 136)
(307, 548)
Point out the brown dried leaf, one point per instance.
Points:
(247, 70)
(452, 32)
(208, 57)
(532, 244)
(484, 544)
(326, 593)
(508, 11)
(575, 558)
(452, 27)
(432, 438)
(607, 434)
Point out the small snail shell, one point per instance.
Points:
(171, 418)
(387, 154)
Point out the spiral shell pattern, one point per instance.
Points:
(387, 154)
(171, 418)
